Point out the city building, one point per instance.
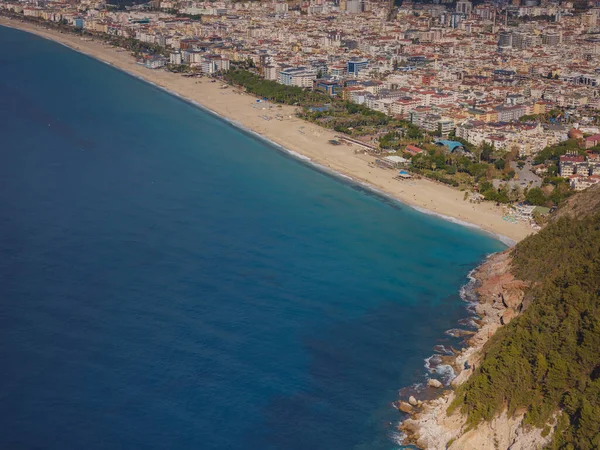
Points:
(355, 65)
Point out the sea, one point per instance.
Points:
(170, 281)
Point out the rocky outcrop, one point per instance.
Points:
(507, 316)
(513, 293)
(431, 428)
(435, 383)
(501, 298)
(504, 433)
(405, 407)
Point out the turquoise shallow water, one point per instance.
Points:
(168, 281)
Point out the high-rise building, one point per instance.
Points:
(355, 65)
(505, 39)
(455, 19)
(551, 38)
(522, 40)
(281, 7)
(354, 6)
(486, 12)
(464, 7)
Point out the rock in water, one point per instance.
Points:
(413, 401)
(435, 383)
(405, 407)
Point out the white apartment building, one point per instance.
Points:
(297, 76)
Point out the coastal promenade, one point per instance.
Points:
(297, 136)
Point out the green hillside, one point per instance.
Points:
(547, 361)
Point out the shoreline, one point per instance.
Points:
(312, 149)
(495, 298)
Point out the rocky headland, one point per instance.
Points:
(500, 298)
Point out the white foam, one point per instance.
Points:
(397, 437)
(432, 362)
(468, 322)
(446, 373)
(442, 350)
(504, 239)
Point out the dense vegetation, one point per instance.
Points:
(553, 152)
(393, 140)
(546, 361)
(133, 45)
(289, 95)
(350, 118)
(457, 169)
(553, 192)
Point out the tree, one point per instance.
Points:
(478, 170)
(515, 194)
(487, 150)
(536, 196)
(546, 359)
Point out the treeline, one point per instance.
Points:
(349, 118)
(546, 361)
(393, 139)
(457, 169)
(133, 45)
(561, 189)
(273, 91)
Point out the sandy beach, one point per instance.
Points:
(298, 136)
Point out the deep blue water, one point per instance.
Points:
(167, 281)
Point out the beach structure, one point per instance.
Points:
(526, 213)
(393, 162)
(353, 141)
(452, 146)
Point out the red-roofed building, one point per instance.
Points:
(572, 158)
(592, 141)
(571, 164)
(413, 150)
(595, 157)
(403, 105)
(580, 182)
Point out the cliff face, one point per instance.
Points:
(547, 366)
(501, 298)
(501, 433)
